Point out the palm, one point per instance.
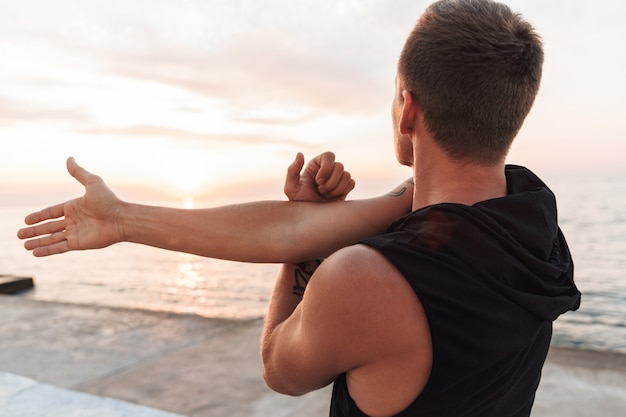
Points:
(90, 220)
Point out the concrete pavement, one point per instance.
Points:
(24, 397)
(201, 367)
(185, 364)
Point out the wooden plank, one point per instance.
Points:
(10, 284)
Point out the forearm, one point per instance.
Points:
(288, 291)
(286, 296)
(269, 231)
(251, 232)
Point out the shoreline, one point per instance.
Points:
(198, 366)
(597, 360)
(568, 351)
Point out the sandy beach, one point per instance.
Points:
(194, 366)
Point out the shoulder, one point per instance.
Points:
(377, 327)
(363, 269)
(366, 297)
(357, 273)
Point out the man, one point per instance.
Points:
(448, 312)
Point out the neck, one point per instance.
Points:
(441, 180)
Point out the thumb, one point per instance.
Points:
(292, 180)
(81, 174)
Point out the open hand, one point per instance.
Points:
(88, 222)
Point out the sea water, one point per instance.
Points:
(592, 214)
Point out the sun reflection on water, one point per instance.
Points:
(189, 285)
(188, 275)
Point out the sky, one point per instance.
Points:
(211, 99)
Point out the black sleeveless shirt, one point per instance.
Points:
(491, 278)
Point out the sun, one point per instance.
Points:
(183, 169)
(188, 203)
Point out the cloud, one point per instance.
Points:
(16, 112)
(326, 57)
(182, 134)
(312, 58)
(257, 74)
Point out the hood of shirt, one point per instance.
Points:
(513, 243)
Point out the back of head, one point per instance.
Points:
(474, 67)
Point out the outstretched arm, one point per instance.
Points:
(266, 231)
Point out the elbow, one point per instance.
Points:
(276, 378)
(276, 383)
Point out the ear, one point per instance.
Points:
(410, 111)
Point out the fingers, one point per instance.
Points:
(328, 173)
(333, 181)
(45, 241)
(338, 183)
(41, 229)
(49, 213)
(340, 189)
(325, 164)
(53, 249)
(53, 238)
(52, 242)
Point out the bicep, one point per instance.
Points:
(297, 363)
(302, 353)
(343, 323)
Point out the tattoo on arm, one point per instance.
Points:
(401, 189)
(302, 275)
(397, 192)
